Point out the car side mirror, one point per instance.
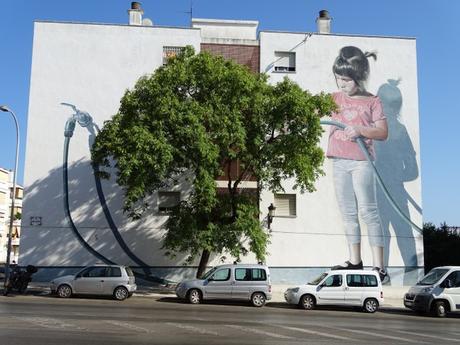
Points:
(447, 284)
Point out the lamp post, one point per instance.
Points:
(13, 198)
(271, 214)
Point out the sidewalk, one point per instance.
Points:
(393, 296)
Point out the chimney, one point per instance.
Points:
(135, 13)
(323, 22)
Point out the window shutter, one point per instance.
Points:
(285, 205)
(285, 61)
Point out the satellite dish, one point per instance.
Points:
(147, 22)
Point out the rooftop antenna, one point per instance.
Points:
(190, 12)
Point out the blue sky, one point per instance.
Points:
(433, 23)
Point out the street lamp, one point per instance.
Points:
(10, 231)
(271, 214)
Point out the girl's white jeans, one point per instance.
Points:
(354, 183)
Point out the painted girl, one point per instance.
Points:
(353, 175)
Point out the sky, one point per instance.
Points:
(434, 24)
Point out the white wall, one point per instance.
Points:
(315, 237)
(89, 66)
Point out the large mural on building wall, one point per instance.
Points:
(367, 210)
(348, 221)
(352, 151)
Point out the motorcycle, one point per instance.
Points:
(20, 278)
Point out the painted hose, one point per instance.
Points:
(67, 208)
(363, 148)
(68, 133)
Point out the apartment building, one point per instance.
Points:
(91, 67)
(6, 193)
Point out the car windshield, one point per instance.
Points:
(433, 276)
(207, 274)
(318, 279)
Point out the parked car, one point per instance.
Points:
(230, 282)
(437, 293)
(341, 287)
(114, 280)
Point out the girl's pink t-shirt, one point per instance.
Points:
(353, 112)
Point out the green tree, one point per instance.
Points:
(194, 117)
(440, 246)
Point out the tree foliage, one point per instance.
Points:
(194, 116)
(441, 246)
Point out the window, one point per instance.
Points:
(369, 280)
(114, 272)
(94, 272)
(168, 200)
(259, 274)
(284, 62)
(169, 52)
(285, 205)
(358, 280)
(243, 274)
(129, 271)
(19, 193)
(454, 277)
(333, 281)
(250, 274)
(221, 275)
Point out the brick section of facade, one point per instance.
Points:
(244, 55)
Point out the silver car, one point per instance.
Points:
(114, 280)
(231, 282)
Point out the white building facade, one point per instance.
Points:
(91, 65)
(6, 194)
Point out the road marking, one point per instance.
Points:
(257, 331)
(428, 336)
(192, 328)
(316, 333)
(129, 326)
(49, 323)
(373, 334)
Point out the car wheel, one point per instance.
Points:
(194, 296)
(120, 293)
(371, 305)
(439, 309)
(258, 299)
(307, 302)
(64, 291)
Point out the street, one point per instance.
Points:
(142, 320)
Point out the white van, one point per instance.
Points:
(340, 287)
(231, 282)
(438, 292)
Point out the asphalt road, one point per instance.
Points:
(36, 320)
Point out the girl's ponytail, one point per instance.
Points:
(372, 54)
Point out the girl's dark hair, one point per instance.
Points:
(353, 63)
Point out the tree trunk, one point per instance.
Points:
(203, 263)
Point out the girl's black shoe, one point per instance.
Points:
(349, 266)
(384, 277)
